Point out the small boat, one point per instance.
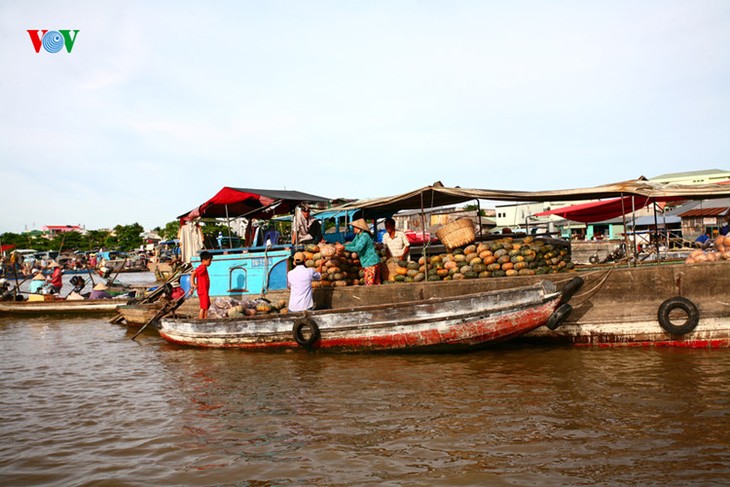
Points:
(457, 323)
(59, 306)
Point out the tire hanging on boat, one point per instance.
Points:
(301, 325)
(678, 302)
(559, 316)
(570, 288)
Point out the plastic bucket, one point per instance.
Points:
(185, 282)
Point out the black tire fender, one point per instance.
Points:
(678, 302)
(570, 288)
(302, 324)
(559, 315)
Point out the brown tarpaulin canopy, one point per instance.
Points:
(438, 195)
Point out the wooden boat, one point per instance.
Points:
(136, 315)
(672, 305)
(59, 306)
(444, 324)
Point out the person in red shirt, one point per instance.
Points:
(200, 281)
(56, 279)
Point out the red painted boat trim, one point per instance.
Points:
(718, 343)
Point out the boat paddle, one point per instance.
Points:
(167, 308)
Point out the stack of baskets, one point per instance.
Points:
(456, 234)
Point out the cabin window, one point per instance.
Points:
(237, 279)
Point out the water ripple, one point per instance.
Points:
(81, 404)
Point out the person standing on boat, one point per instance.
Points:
(299, 281)
(365, 248)
(56, 279)
(395, 241)
(397, 246)
(199, 280)
(305, 228)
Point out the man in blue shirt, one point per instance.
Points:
(703, 239)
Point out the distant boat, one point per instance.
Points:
(60, 306)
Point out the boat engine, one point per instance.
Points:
(78, 284)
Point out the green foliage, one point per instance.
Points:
(473, 207)
(169, 231)
(96, 239)
(127, 237)
(68, 241)
(210, 234)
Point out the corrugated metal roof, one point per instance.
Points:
(705, 212)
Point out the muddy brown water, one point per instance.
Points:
(81, 404)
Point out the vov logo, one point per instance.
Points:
(52, 40)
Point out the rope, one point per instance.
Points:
(590, 292)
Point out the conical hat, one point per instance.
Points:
(361, 224)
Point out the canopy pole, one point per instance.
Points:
(656, 234)
(424, 250)
(479, 216)
(666, 230)
(228, 224)
(626, 235)
(633, 228)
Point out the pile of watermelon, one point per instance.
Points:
(507, 256)
(338, 267)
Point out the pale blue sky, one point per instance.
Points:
(160, 104)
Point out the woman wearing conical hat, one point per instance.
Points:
(365, 248)
(56, 279)
(99, 292)
(36, 285)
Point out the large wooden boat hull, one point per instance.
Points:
(444, 324)
(618, 306)
(59, 307)
(624, 307)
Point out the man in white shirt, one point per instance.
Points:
(397, 246)
(395, 241)
(299, 281)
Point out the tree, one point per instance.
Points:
(128, 237)
(67, 241)
(169, 231)
(210, 234)
(473, 207)
(96, 239)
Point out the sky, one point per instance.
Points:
(160, 104)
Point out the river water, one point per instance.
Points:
(82, 404)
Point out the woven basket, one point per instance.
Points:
(456, 234)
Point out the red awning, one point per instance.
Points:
(598, 211)
(252, 203)
(4, 248)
